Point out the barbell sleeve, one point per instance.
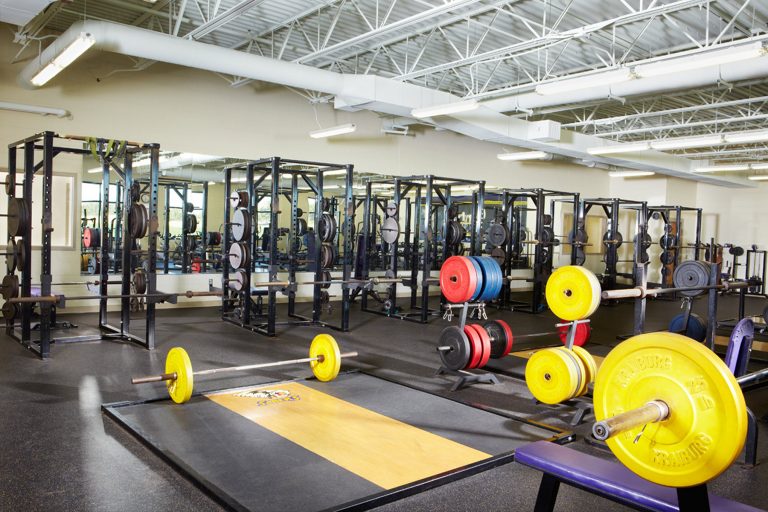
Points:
(652, 412)
(153, 378)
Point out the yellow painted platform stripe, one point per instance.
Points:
(384, 451)
(526, 354)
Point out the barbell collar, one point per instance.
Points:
(652, 412)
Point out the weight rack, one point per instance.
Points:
(427, 201)
(107, 151)
(612, 208)
(516, 205)
(181, 189)
(673, 216)
(312, 174)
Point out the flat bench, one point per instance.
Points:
(611, 480)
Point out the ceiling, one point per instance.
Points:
(482, 49)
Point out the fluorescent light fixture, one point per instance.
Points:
(75, 49)
(94, 170)
(445, 109)
(33, 109)
(723, 168)
(337, 172)
(332, 131)
(211, 183)
(746, 137)
(700, 60)
(619, 148)
(585, 82)
(525, 155)
(759, 178)
(688, 142)
(630, 174)
(733, 168)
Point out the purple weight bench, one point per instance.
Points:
(613, 481)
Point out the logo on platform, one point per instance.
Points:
(269, 396)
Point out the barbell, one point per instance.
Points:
(324, 360)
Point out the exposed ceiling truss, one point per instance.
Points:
(482, 49)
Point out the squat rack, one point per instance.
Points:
(428, 199)
(673, 216)
(312, 174)
(516, 207)
(107, 151)
(613, 238)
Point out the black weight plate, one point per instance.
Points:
(326, 204)
(390, 230)
(547, 235)
(10, 183)
(667, 228)
(191, 223)
(547, 219)
(190, 207)
(325, 297)
(10, 286)
(241, 225)
(137, 221)
(238, 199)
(615, 238)
(326, 278)
(11, 263)
(644, 258)
(581, 256)
(326, 227)
(667, 257)
(522, 235)
(10, 311)
(579, 237)
(691, 273)
(546, 255)
(140, 281)
(497, 234)
(21, 254)
(498, 254)
(18, 216)
(326, 256)
(299, 212)
(239, 255)
(647, 240)
(668, 241)
(458, 355)
(301, 227)
(135, 192)
(453, 211)
(498, 339)
(736, 251)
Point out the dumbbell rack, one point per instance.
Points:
(465, 377)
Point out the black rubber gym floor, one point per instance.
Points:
(375, 441)
(60, 452)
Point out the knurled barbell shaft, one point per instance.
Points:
(211, 371)
(639, 291)
(652, 412)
